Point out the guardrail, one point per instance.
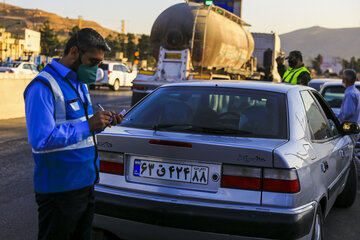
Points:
(12, 86)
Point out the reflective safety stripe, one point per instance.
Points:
(89, 142)
(291, 75)
(88, 94)
(60, 112)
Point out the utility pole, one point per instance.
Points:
(4, 12)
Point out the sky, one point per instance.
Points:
(280, 16)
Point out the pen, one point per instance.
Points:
(101, 107)
(120, 114)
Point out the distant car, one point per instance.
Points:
(317, 83)
(242, 158)
(114, 75)
(333, 92)
(19, 67)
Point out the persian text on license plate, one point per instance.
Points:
(170, 171)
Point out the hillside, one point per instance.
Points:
(16, 19)
(312, 41)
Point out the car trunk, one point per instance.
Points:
(204, 155)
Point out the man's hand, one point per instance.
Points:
(100, 120)
(280, 60)
(117, 119)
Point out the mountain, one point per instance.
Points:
(343, 43)
(16, 19)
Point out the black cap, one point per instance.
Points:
(295, 53)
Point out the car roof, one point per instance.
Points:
(241, 84)
(324, 80)
(337, 84)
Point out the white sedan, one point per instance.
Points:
(19, 67)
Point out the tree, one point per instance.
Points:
(115, 43)
(144, 46)
(316, 63)
(130, 46)
(73, 31)
(50, 43)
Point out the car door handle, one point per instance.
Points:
(341, 153)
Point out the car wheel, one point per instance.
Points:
(116, 85)
(348, 195)
(318, 231)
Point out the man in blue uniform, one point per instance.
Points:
(61, 129)
(350, 107)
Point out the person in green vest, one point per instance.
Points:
(297, 72)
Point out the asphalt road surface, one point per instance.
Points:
(18, 210)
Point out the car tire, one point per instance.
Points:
(116, 85)
(348, 195)
(318, 229)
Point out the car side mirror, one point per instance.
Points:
(350, 128)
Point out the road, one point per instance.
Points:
(18, 218)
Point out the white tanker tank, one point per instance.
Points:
(216, 38)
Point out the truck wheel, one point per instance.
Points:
(318, 231)
(348, 195)
(116, 85)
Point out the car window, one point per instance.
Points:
(333, 120)
(11, 65)
(219, 111)
(318, 124)
(117, 68)
(124, 69)
(104, 66)
(27, 66)
(334, 95)
(33, 67)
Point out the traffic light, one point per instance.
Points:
(136, 60)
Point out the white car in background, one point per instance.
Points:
(19, 67)
(114, 75)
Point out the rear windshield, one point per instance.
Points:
(11, 65)
(334, 95)
(104, 66)
(212, 110)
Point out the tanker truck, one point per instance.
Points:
(193, 41)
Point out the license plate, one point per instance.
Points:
(171, 172)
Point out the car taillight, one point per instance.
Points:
(267, 179)
(241, 177)
(109, 72)
(111, 162)
(281, 180)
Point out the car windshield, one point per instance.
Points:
(212, 110)
(11, 65)
(334, 95)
